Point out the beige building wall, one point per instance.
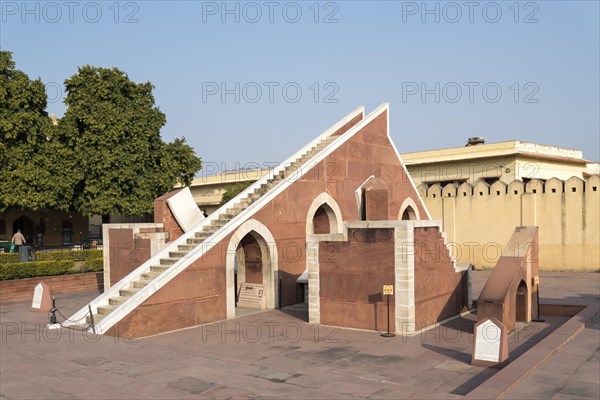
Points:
(503, 168)
(504, 161)
(480, 218)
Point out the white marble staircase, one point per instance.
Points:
(121, 294)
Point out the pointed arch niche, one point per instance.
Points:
(409, 210)
(324, 216)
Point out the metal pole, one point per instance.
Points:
(92, 319)
(388, 314)
(537, 295)
(388, 333)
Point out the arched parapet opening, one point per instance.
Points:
(534, 186)
(409, 210)
(434, 191)
(422, 189)
(498, 188)
(481, 188)
(516, 188)
(449, 190)
(592, 183)
(252, 242)
(574, 185)
(554, 185)
(465, 189)
(324, 212)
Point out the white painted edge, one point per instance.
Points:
(359, 199)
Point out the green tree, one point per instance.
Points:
(113, 126)
(233, 190)
(36, 169)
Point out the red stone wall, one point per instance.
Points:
(440, 292)
(352, 275)
(185, 302)
(368, 153)
(23, 288)
(162, 213)
(126, 253)
(195, 296)
(376, 205)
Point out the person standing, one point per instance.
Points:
(18, 240)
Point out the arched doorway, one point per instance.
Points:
(249, 257)
(521, 305)
(25, 224)
(252, 259)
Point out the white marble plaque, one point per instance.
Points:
(252, 296)
(37, 296)
(185, 210)
(487, 342)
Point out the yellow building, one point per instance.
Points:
(504, 161)
(481, 191)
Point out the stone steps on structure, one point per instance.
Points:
(219, 221)
(128, 292)
(158, 268)
(150, 275)
(118, 300)
(97, 318)
(207, 231)
(140, 284)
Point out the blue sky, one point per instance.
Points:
(450, 70)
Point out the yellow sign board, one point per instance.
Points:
(388, 290)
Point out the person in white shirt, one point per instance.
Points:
(18, 240)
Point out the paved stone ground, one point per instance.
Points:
(573, 372)
(278, 355)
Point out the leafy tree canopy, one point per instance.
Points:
(36, 169)
(105, 156)
(113, 125)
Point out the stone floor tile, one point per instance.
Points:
(586, 390)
